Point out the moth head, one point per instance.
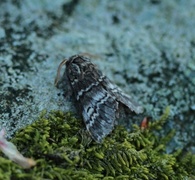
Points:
(76, 67)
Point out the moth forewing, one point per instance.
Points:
(122, 97)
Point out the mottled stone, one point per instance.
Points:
(146, 47)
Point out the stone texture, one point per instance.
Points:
(146, 47)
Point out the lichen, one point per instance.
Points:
(64, 150)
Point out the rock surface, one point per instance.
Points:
(146, 47)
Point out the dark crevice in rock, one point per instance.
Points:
(69, 7)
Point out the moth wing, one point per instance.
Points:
(99, 112)
(122, 97)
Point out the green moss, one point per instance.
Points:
(63, 150)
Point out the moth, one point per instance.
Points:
(97, 97)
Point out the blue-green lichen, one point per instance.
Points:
(64, 150)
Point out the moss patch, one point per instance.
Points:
(63, 150)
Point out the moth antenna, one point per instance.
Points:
(58, 72)
(89, 55)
